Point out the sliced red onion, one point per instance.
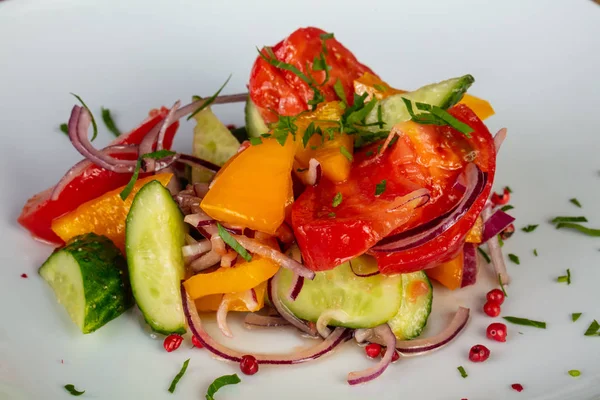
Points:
(417, 347)
(196, 162)
(218, 245)
(201, 189)
(205, 261)
(362, 335)
(496, 255)
(304, 326)
(226, 99)
(476, 181)
(198, 219)
(470, 265)
(499, 138)
(196, 249)
(296, 287)
(169, 119)
(189, 240)
(233, 229)
(495, 225)
(285, 234)
(314, 173)
(384, 332)
(253, 320)
(364, 266)
(338, 336)
(256, 247)
(326, 317)
(222, 317)
(228, 260)
(155, 138)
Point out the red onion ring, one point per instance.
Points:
(499, 138)
(389, 339)
(470, 265)
(476, 181)
(285, 234)
(296, 287)
(198, 219)
(338, 336)
(201, 189)
(222, 316)
(496, 255)
(205, 261)
(371, 270)
(196, 162)
(253, 320)
(314, 173)
(304, 326)
(218, 245)
(495, 224)
(326, 317)
(228, 260)
(193, 106)
(196, 249)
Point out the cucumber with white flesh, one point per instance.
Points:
(89, 278)
(213, 142)
(444, 94)
(255, 124)
(417, 295)
(155, 234)
(364, 302)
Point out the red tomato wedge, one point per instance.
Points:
(282, 91)
(39, 211)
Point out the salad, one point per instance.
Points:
(330, 211)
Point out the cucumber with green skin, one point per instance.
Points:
(89, 278)
(154, 236)
(255, 124)
(412, 316)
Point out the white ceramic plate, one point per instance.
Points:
(536, 61)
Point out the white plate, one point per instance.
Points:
(536, 61)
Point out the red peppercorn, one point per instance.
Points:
(172, 342)
(497, 332)
(507, 232)
(249, 365)
(491, 309)
(23, 275)
(373, 350)
(479, 353)
(395, 356)
(196, 342)
(495, 296)
(501, 199)
(517, 386)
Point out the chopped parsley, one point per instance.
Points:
(74, 392)
(337, 200)
(324, 37)
(156, 155)
(64, 128)
(434, 115)
(109, 122)
(309, 132)
(179, 376)
(506, 207)
(575, 316)
(230, 240)
(575, 201)
(514, 259)
(255, 141)
(284, 127)
(484, 255)
(574, 373)
(462, 371)
(565, 278)
(219, 383)
(526, 322)
(210, 100)
(593, 329)
(502, 285)
(535, 253)
(529, 228)
(380, 187)
(500, 241)
(346, 153)
(508, 189)
(338, 88)
(94, 125)
(583, 229)
(559, 220)
(331, 215)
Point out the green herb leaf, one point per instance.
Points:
(575, 201)
(179, 376)
(109, 122)
(337, 200)
(331, 215)
(574, 372)
(514, 259)
(502, 285)
(585, 230)
(379, 87)
(129, 187)
(319, 64)
(284, 127)
(91, 116)
(462, 371)
(346, 153)
(369, 153)
(255, 141)
(565, 278)
(74, 392)
(484, 255)
(506, 207)
(325, 36)
(380, 187)
(64, 128)
(575, 316)
(535, 253)
(529, 228)
(338, 88)
(310, 130)
(526, 322)
(451, 121)
(558, 220)
(500, 241)
(219, 383)
(592, 330)
(210, 100)
(230, 240)
(434, 115)
(508, 189)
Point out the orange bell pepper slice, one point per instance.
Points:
(449, 273)
(235, 301)
(476, 233)
(104, 215)
(243, 276)
(374, 86)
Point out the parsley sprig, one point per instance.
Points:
(155, 155)
(219, 383)
(434, 115)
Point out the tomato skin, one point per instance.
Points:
(275, 89)
(447, 245)
(39, 211)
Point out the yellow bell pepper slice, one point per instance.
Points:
(236, 303)
(374, 86)
(104, 215)
(476, 233)
(449, 273)
(252, 190)
(243, 276)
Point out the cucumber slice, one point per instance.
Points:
(255, 125)
(154, 236)
(417, 295)
(89, 279)
(368, 301)
(212, 142)
(443, 94)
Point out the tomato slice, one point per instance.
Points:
(285, 93)
(39, 211)
(478, 149)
